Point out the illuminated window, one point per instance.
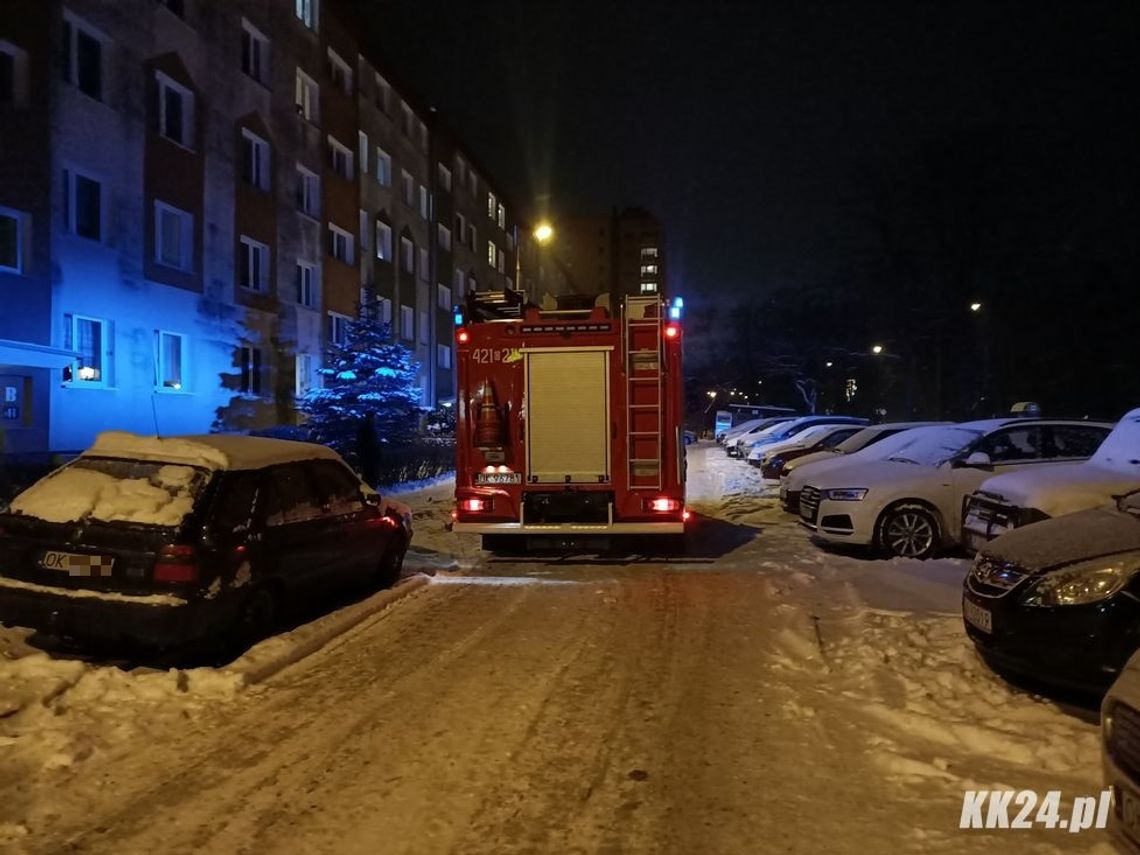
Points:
(491, 203)
(306, 96)
(170, 353)
(383, 241)
(175, 111)
(648, 287)
(649, 270)
(88, 338)
(383, 168)
(648, 252)
(501, 216)
(306, 11)
(492, 253)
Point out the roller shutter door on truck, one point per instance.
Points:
(568, 417)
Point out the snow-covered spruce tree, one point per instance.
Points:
(368, 378)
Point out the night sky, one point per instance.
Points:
(750, 128)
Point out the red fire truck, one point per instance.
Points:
(569, 423)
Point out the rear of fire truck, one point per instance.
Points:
(569, 426)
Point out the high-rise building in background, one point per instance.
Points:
(196, 195)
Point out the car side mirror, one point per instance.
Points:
(978, 460)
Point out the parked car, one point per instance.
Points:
(883, 438)
(787, 430)
(189, 539)
(1060, 600)
(771, 458)
(689, 437)
(1031, 495)
(1120, 754)
(910, 503)
(734, 439)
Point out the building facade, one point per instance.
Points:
(195, 196)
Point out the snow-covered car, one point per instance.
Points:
(910, 503)
(1120, 754)
(871, 443)
(735, 438)
(191, 539)
(1060, 601)
(789, 429)
(1021, 498)
(771, 458)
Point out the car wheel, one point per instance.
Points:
(391, 563)
(909, 530)
(258, 616)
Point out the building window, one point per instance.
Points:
(458, 279)
(13, 75)
(308, 192)
(83, 205)
(87, 337)
(423, 263)
(649, 270)
(306, 282)
(11, 241)
(443, 297)
(460, 227)
(425, 328)
(383, 167)
(383, 241)
(407, 255)
(250, 361)
(501, 216)
(383, 94)
(340, 244)
(443, 355)
(170, 350)
(306, 11)
(407, 323)
(175, 111)
(423, 136)
(385, 310)
(501, 261)
(648, 252)
(254, 160)
(338, 329)
(406, 119)
(472, 284)
(648, 287)
(340, 72)
(409, 187)
(254, 52)
(253, 265)
(340, 158)
(425, 205)
(83, 60)
(306, 96)
(444, 177)
(174, 236)
(303, 370)
(473, 180)
(492, 254)
(491, 202)
(472, 238)
(362, 151)
(445, 238)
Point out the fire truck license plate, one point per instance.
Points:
(498, 478)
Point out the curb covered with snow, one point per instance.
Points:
(268, 657)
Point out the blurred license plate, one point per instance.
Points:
(498, 477)
(977, 616)
(77, 565)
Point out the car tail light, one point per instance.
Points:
(663, 505)
(476, 506)
(176, 563)
(685, 514)
(672, 330)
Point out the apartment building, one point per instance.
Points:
(620, 254)
(194, 198)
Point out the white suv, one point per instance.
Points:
(910, 503)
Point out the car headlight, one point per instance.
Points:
(846, 494)
(1086, 582)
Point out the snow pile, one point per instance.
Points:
(194, 452)
(81, 491)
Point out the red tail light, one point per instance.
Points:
(476, 506)
(672, 330)
(462, 336)
(176, 563)
(663, 506)
(685, 516)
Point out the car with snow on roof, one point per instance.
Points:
(191, 539)
(790, 429)
(754, 427)
(1028, 496)
(909, 503)
(770, 459)
(1059, 601)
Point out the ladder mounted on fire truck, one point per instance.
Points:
(645, 391)
(494, 305)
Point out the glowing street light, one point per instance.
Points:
(975, 307)
(877, 349)
(543, 233)
(828, 364)
(711, 393)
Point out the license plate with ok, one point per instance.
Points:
(74, 564)
(977, 616)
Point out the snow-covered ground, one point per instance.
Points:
(759, 695)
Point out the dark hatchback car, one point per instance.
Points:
(193, 539)
(1059, 601)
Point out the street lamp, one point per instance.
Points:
(543, 233)
(828, 364)
(975, 307)
(711, 393)
(877, 349)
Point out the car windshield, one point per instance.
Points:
(859, 440)
(114, 490)
(935, 447)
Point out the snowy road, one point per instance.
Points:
(761, 696)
